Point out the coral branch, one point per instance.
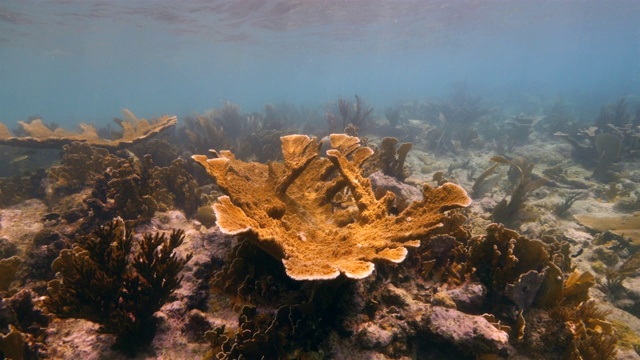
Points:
(134, 130)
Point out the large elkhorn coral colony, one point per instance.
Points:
(319, 214)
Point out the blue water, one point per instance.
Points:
(71, 61)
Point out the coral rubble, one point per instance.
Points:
(290, 209)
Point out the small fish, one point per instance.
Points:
(325, 144)
(127, 154)
(24, 156)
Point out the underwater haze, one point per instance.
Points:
(73, 61)
(319, 179)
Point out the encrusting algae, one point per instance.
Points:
(289, 207)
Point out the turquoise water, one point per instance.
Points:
(71, 61)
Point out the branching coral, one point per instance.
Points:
(135, 190)
(173, 186)
(129, 188)
(391, 158)
(22, 327)
(134, 130)
(99, 280)
(201, 132)
(614, 114)
(509, 264)
(8, 268)
(15, 189)
(561, 209)
(392, 115)
(510, 212)
(288, 208)
(522, 126)
(81, 164)
(592, 337)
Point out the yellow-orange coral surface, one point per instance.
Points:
(296, 209)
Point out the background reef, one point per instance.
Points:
(473, 232)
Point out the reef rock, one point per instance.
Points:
(319, 214)
(470, 333)
(405, 193)
(468, 296)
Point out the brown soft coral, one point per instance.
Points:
(291, 209)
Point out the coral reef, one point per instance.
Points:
(128, 186)
(203, 133)
(173, 186)
(391, 158)
(135, 190)
(16, 189)
(392, 115)
(134, 130)
(359, 116)
(102, 281)
(288, 207)
(22, 327)
(80, 166)
(522, 126)
(456, 121)
(510, 212)
(529, 288)
(8, 269)
(297, 226)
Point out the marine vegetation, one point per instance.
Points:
(614, 135)
(290, 208)
(598, 151)
(614, 115)
(111, 279)
(353, 115)
(557, 118)
(248, 136)
(520, 127)
(456, 122)
(561, 209)
(511, 211)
